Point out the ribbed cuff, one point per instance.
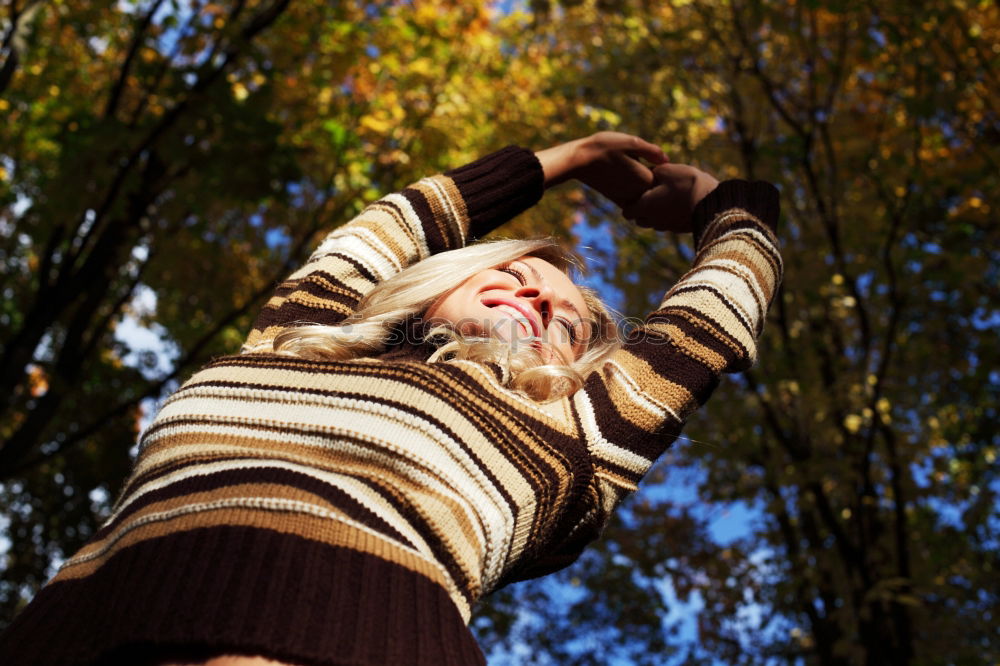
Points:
(757, 197)
(498, 187)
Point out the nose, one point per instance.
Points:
(540, 296)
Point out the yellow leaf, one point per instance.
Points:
(853, 423)
(421, 66)
(374, 124)
(240, 91)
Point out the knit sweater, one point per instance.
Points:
(353, 512)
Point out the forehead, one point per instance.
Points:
(564, 287)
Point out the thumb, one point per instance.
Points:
(635, 209)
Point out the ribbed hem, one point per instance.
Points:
(498, 187)
(757, 197)
(241, 590)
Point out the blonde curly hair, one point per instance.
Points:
(375, 325)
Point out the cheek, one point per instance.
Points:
(452, 307)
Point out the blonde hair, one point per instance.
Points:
(376, 323)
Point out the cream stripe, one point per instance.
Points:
(413, 224)
(654, 407)
(599, 445)
(709, 304)
(353, 245)
(360, 492)
(472, 500)
(442, 191)
(343, 482)
(555, 413)
(367, 385)
(725, 283)
(751, 286)
(427, 446)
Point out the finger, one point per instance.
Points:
(646, 223)
(639, 207)
(640, 148)
(674, 174)
(623, 179)
(634, 146)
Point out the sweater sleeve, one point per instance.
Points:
(435, 214)
(633, 407)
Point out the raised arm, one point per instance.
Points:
(633, 407)
(707, 324)
(433, 215)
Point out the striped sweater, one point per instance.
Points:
(353, 512)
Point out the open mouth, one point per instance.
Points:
(529, 325)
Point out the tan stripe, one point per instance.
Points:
(614, 479)
(341, 288)
(344, 276)
(760, 249)
(473, 428)
(450, 214)
(764, 264)
(691, 347)
(647, 381)
(745, 249)
(556, 414)
(394, 208)
(318, 302)
(224, 492)
(706, 278)
(378, 229)
(371, 465)
(368, 230)
(707, 302)
(754, 288)
(323, 530)
(347, 465)
(709, 328)
(446, 518)
(401, 384)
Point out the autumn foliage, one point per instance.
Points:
(163, 163)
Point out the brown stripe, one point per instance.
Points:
(270, 482)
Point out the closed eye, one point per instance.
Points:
(570, 329)
(521, 277)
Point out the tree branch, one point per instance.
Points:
(142, 25)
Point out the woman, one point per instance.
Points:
(396, 442)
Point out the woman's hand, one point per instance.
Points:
(609, 162)
(667, 206)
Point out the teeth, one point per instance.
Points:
(516, 315)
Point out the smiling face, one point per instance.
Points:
(528, 301)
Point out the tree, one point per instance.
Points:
(864, 439)
(166, 163)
